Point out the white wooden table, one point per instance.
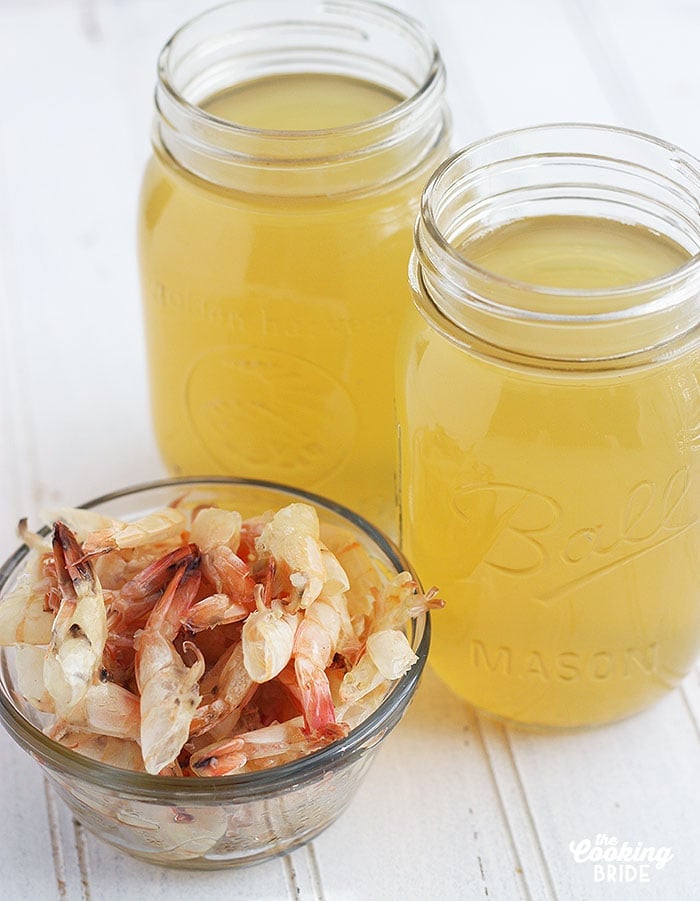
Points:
(455, 806)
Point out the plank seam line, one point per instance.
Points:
(22, 432)
(501, 804)
(81, 848)
(291, 877)
(8, 371)
(483, 874)
(691, 711)
(314, 872)
(528, 810)
(59, 863)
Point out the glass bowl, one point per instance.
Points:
(226, 821)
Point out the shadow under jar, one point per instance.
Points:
(291, 144)
(550, 421)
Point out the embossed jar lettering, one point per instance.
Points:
(564, 666)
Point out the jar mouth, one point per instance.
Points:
(573, 169)
(445, 173)
(246, 40)
(421, 93)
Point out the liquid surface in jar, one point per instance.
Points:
(557, 511)
(271, 319)
(303, 101)
(575, 253)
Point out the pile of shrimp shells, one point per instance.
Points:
(192, 642)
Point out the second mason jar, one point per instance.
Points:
(291, 144)
(549, 414)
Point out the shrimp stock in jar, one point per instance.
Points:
(291, 144)
(549, 417)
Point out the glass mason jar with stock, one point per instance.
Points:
(291, 144)
(549, 415)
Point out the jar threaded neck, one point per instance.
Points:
(563, 170)
(246, 40)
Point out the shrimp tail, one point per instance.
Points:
(316, 699)
(268, 746)
(72, 569)
(157, 574)
(225, 758)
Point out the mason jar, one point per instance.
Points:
(291, 143)
(549, 417)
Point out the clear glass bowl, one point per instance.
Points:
(226, 821)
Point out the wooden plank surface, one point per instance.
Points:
(455, 806)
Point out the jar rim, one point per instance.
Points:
(427, 217)
(242, 41)
(433, 80)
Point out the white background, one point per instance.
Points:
(455, 807)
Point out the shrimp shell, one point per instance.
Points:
(79, 631)
(213, 527)
(163, 525)
(169, 698)
(269, 746)
(168, 688)
(23, 616)
(118, 752)
(292, 537)
(268, 640)
(226, 688)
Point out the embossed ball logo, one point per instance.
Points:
(520, 532)
(269, 414)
